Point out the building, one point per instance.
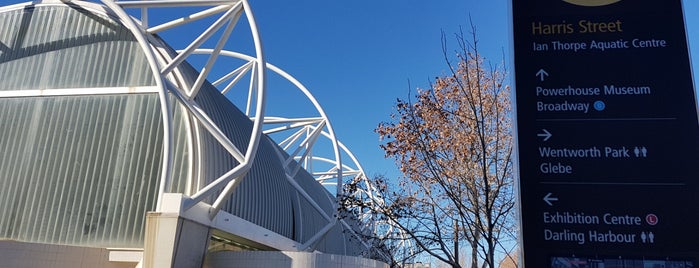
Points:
(117, 152)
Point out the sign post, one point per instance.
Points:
(607, 133)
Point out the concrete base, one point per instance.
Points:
(31, 255)
(172, 241)
(286, 259)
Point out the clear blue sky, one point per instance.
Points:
(357, 57)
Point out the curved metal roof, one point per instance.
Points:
(106, 118)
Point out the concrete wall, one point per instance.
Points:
(15, 254)
(286, 259)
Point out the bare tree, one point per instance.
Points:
(453, 146)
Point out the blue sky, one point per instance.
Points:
(357, 57)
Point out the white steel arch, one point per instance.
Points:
(299, 149)
(299, 135)
(165, 70)
(309, 129)
(304, 132)
(227, 14)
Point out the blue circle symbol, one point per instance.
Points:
(599, 105)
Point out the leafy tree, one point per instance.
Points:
(453, 146)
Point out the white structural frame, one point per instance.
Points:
(227, 14)
(165, 69)
(297, 146)
(308, 130)
(305, 133)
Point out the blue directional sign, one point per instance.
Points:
(607, 133)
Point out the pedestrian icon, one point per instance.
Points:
(640, 151)
(647, 238)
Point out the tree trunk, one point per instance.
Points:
(456, 242)
(474, 250)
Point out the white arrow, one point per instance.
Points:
(547, 135)
(548, 199)
(541, 74)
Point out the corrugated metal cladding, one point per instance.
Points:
(311, 222)
(84, 170)
(79, 170)
(60, 47)
(264, 196)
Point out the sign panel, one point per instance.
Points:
(608, 136)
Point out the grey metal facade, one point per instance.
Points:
(83, 169)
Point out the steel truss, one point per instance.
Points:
(300, 134)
